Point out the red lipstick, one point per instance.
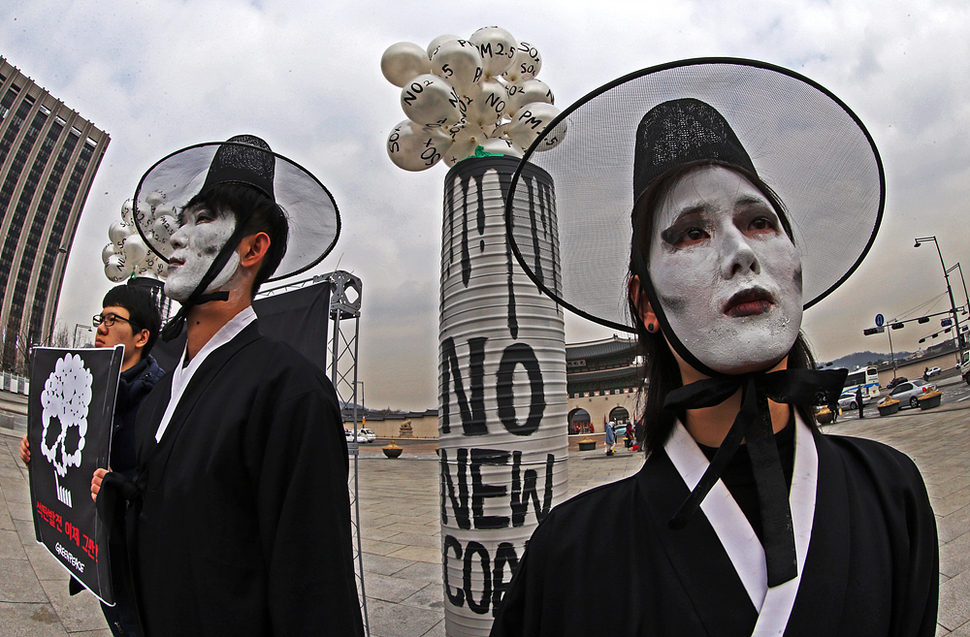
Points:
(749, 303)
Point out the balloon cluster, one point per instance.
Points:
(127, 254)
(460, 95)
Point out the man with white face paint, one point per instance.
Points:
(197, 242)
(747, 520)
(239, 515)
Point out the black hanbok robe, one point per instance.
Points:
(607, 563)
(243, 526)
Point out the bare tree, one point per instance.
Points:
(61, 337)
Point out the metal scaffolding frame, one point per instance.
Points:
(342, 337)
(345, 291)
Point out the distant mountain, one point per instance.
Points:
(860, 359)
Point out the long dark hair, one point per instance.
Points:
(660, 372)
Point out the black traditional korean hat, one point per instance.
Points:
(308, 207)
(794, 134)
(800, 139)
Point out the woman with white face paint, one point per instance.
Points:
(725, 271)
(747, 520)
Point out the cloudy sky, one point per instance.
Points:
(159, 75)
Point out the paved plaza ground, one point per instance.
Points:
(399, 527)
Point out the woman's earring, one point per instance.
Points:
(651, 327)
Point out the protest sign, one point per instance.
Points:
(70, 410)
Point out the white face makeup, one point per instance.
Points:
(196, 244)
(728, 278)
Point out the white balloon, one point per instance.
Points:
(404, 61)
(471, 131)
(165, 209)
(552, 139)
(118, 231)
(116, 269)
(528, 92)
(466, 141)
(497, 48)
(431, 101)
(145, 214)
(525, 64)
(163, 228)
(126, 212)
(501, 146)
(501, 129)
(459, 62)
(155, 198)
(414, 147)
(530, 121)
(438, 40)
(134, 249)
(107, 251)
(146, 267)
(453, 130)
(487, 106)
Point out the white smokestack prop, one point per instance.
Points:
(476, 105)
(502, 386)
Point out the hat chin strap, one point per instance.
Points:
(198, 297)
(646, 285)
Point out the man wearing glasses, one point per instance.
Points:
(128, 317)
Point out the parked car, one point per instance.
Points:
(899, 379)
(348, 435)
(847, 401)
(910, 391)
(366, 435)
(932, 371)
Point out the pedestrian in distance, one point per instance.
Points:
(610, 429)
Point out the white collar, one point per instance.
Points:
(181, 375)
(738, 538)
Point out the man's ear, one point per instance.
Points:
(141, 338)
(639, 298)
(253, 248)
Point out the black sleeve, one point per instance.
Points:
(304, 518)
(524, 609)
(911, 525)
(918, 590)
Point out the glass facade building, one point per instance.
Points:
(49, 155)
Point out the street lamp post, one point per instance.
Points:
(77, 328)
(957, 266)
(949, 290)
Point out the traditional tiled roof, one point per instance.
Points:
(606, 347)
(614, 373)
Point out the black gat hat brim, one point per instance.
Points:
(802, 140)
(310, 209)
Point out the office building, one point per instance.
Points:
(49, 155)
